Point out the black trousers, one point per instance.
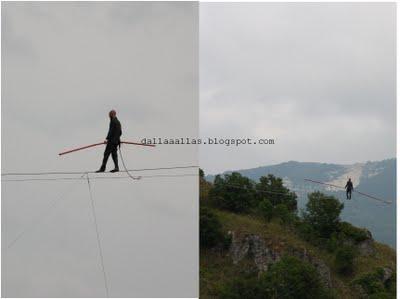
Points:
(110, 149)
(348, 194)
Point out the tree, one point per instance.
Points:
(271, 187)
(233, 192)
(210, 228)
(266, 209)
(322, 213)
(282, 212)
(204, 188)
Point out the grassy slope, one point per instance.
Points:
(217, 267)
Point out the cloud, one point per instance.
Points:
(323, 73)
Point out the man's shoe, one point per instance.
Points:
(115, 170)
(100, 170)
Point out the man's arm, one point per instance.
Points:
(113, 131)
(110, 131)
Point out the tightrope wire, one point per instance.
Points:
(97, 235)
(43, 215)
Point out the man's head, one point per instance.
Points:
(349, 179)
(112, 114)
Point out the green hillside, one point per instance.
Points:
(254, 246)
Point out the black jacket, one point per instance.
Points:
(349, 186)
(114, 132)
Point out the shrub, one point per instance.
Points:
(372, 283)
(382, 295)
(292, 278)
(344, 259)
(322, 213)
(226, 241)
(210, 228)
(355, 233)
(244, 286)
(305, 230)
(266, 209)
(282, 212)
(333, 243)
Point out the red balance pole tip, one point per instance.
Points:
(81, 148)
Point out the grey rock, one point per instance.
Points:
(252, 246)
(263, 255)
(366, 247)
(387, 274)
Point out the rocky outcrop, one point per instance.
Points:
(319, 265)
(365, 247)
(265, 254)
(387, 274)
(252, 246)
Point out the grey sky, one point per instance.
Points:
(318, 77)
(65, 65)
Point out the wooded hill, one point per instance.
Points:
(256, 244)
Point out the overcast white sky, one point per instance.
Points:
(318, 77)
(64, 66)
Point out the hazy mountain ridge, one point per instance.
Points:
(377, 178)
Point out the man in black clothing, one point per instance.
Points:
(112, 141)
(349, 188)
